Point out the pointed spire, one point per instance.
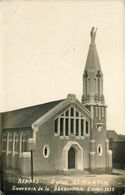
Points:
(93, 76)
(92, 62)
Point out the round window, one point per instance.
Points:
(46, 151)
(99, 150)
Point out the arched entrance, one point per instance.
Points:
(72, 156)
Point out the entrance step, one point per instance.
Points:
(74, 172)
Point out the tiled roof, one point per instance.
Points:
(116, 137)
(26, 116)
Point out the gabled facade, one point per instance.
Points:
(63, 135)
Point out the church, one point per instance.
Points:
(61, 136)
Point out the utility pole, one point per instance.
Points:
(32, 165)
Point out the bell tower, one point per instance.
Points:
(93, 100)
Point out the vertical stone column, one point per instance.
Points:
(64, 161)
(7, 144)
(13, 152)
(92, 142)
(20, 144)
(107, 144)
(92, 155)
(109, 161)
(92, 161)
(106, 153)
(7, 151)
(108, 157)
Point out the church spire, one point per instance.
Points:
(92, 76)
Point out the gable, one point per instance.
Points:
(73, 121)
(71, 101)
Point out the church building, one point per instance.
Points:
(61, 136)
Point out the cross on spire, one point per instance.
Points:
(93, 34)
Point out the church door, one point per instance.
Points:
(71, 158)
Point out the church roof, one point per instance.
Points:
(36, 115)
(26, 116)
(92, 62)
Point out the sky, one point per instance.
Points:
(44, 46)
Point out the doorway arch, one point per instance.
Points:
(71, 158)
(72, 151)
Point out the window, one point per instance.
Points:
(67, 113)
(82, 127)
(99, 150)
(77, 127)
(67, 127)
(10, 142)
(87, 127)
(71, 122)
(72, 126)
(72, 111)
(61, 126)
(99, 113)
(77, 114)
(56, 125)
(46, 151)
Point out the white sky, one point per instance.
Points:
(44, 47)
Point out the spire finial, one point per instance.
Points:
(93, 34)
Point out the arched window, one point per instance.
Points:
(99, 150)
(71, 122)
(46, 151)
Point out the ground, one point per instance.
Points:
(68, 184)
